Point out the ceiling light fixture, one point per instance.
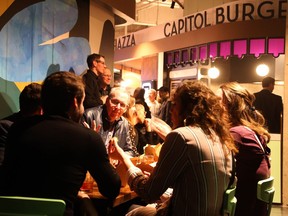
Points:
(262, 70)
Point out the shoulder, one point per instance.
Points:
(123, 122)
(187, 133)
(4, 126)
(239, 132)
(93, 110)
(93, 113)
(90, 74)
(5, 123)
(277, 97)
(263, 92)
(240, 129)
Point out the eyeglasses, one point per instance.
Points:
(115, 102)
(99, 61)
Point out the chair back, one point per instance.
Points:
(229, 201)
(265, 192)
(21, 206)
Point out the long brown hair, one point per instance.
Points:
(200, 107)
(239, 104)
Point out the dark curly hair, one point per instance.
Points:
(200, 107)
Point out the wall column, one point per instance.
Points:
(285, 124)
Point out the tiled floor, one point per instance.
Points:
(278, 210)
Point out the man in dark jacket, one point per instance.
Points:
(30, 104)
(48, 156)
(270, 105)
(96, 65)
(165, 107)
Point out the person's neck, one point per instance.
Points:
(267, 88)
(111, 121)
(95, 71)
(103, 86)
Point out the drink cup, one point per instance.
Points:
(88, 183)
(148, 159)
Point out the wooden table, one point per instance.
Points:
(125, 195)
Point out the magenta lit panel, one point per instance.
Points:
(257, 47)
(276, 46)
(225, 49)
(185, 55)
(177, 57)
(203, 53)
(213, 48)
(193, 56)
(169, 58)
(240, 48)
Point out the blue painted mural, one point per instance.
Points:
(37, 38)
(35, 42)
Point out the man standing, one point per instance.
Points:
(152, 103)
(96, 65)
(164, 110)
(48, 156)
(109, 119)
(104, 84)
(270, 105)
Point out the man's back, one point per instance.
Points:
(49, 157)
(270, 105)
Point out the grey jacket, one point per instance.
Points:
(120, 128)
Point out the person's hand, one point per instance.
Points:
(117, 153)
(160, 127)
(82, 194)
(114, 151)
(147, 123)
(93, 126)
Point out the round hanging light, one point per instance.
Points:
(213, 72)
(262, 70)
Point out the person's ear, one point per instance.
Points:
(75, 103)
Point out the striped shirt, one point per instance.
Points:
(195, 167)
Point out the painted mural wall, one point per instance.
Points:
(39, 37)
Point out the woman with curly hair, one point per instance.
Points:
(195, 159)
(252, 161)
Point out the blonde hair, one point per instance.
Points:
(130, 113)
(239, 104)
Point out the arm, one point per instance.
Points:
(160, 127)
(171, 162)
(4, 127)
(124, 139)
(99, 166)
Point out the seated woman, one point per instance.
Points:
(143, 128)
(139, 126)
(252, 162)
(195, 159)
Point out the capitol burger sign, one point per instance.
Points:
(237, 11)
